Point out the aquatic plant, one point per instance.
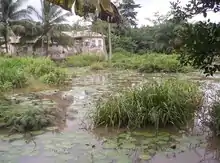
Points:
(83, 60)
(149, 63)
(23, 116)
(214, 112)
(16, 72)
(99, 66)
(146, 63)
(159, 103)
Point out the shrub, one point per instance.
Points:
(15, 72)
(99, 66)
(57, 77)
(83, 60)
(163, 103)
(12, 77)
(25, 117)
(149, 63)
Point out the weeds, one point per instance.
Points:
(16, 72)
(149, 63)
(83, 60)
(25, 116)
(99, 66)
(146, 63)
(214, 122)
(169, 102)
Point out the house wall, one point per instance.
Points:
(11, 49)
(84, 45)
(93, 45)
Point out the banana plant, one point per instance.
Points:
(104, 9)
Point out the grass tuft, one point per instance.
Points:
(169, 102)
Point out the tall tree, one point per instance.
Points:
(127, 9)
(10, 13)
(51, 24)
(201, 40)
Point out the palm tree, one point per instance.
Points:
(51, 23)
(11, 13)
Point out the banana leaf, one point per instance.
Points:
(65, 4)
(107, 11)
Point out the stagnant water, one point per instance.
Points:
(76, 143)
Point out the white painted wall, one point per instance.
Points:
(93, 45)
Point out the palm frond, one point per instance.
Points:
(32, 10)
(19, 15)
(14, 10)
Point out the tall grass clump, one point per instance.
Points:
(214, 121)
(100, 66)
(149, 63)
(16, 72)
(83, 60)
(169, 102)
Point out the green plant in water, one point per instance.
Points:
(16, 72)
(214, 122)
(159, 103)
(26, 116)
(83, 60)
(149, 63)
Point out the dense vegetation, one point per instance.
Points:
(21, 114)
(146, 63)
(24, 117)
(168, 45)
(161, 103)
(20, 72)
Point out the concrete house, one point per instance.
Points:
(85, 42)
(88, 42)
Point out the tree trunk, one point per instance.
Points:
(6, 37)
(109, 42)
(47, 46)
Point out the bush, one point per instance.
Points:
(57, 77)
(163, 103)
(25, 117)
(99, 66)
(83, 60)
(149, 63)
(15, 72)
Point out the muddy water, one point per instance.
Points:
(76, 143)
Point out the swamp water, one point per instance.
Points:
(76, 143)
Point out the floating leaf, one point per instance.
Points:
(146, 134)
(145, 157)
(128, 146)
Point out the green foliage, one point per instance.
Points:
(99, 66)
(200, 39)
(83, 60)
(24, 117)
(202, 47)
(16, 72)
(149, 63)
(127, 9)
(214, 123)
(123, 42)
(168, 102)
(146, 63)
